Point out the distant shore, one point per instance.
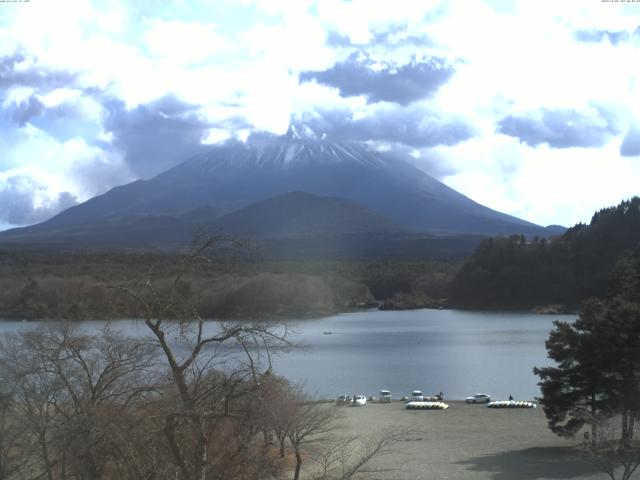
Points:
(318, 315)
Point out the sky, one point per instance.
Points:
(529, 107)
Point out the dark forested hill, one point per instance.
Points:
(512, 272)
(298, 213)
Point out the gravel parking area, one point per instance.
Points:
(467, 442)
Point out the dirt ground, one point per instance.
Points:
(467, 442)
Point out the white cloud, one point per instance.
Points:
(507, 62)
(55, 164)
(357, 18)
(59, 96)
(216, 135)
(543, 185)
(182, 43)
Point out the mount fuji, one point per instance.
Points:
(238, 186)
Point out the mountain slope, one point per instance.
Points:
(373, 192)
(301, 214)
(234, 175)
(127, 231)
(295, 214)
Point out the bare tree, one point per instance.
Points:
(278, 398)
(309, 425)
(613, 452)
(11, 438)
(35, 395)
(193, 400)
(76, 394)
(212, 372)
(313, 430)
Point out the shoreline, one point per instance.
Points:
(536, 311)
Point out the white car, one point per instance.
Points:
(478, 398)
(385, 396)
(359, 401)
(416, 396)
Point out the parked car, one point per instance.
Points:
(359, 401)
(416, 396)
(342, 400)
(385, 396)
(478, 398)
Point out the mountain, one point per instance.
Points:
(128, 231)
(300, 214)
(369, 188)
(296, 214)
(295, 225)
(301, 225)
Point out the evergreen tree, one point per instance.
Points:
(598, 361)
(576, 392)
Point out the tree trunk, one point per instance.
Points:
(627, 428)
(594, 426)
(202, 445)
(63, 467)
(296, 474)
(45, 454)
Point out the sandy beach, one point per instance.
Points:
(467, 442)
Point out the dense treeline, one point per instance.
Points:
(77, 285)
(515, 272)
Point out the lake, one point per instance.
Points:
(457, 352)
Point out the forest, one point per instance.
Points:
(74, 285)
(517, 272)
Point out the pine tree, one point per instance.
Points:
(576, 392)
(598, 369)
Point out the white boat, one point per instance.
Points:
(511, 404)
(426, 406)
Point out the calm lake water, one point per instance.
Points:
(457, 352)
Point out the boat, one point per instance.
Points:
(511, 404)
(426, 406)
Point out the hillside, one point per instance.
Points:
(295, 225)
(299, 213)
(513, 272)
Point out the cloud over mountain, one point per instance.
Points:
(160, 134)
(412, 126)
(384, 81)
(631, 143)
(559, 128)
(25, 201)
